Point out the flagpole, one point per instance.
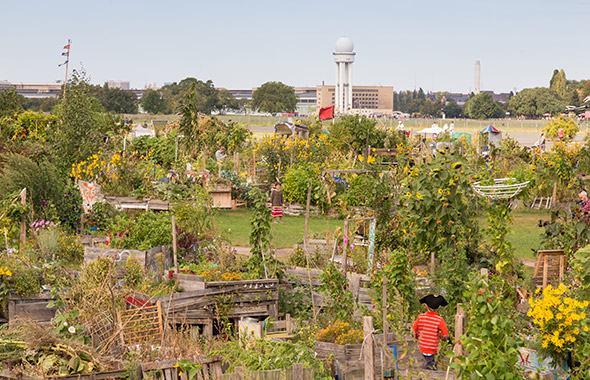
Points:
(67, 63)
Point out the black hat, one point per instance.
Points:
(433, 301)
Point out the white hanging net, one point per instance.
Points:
(503, 188)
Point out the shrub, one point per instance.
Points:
(43, 183)
(296, 184)
(568, 124)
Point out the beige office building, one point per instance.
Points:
(367, 99)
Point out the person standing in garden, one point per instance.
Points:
(276, 202)
(427, 328)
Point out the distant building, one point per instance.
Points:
(375, 99)
(306, 100)
(122, 85)
(33, 90)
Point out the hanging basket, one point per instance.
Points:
(501, 189)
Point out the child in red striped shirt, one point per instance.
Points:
(427, 328)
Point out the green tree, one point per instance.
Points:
(226, 101)
(452, 109)
(274, 97)
(10, 103)
(483, 106)
(117, 100)
(83, 123)
(353, 134)
(558, 82)
(431, 108)
(534, 102)
(153, 102)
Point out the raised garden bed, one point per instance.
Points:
(32, 307)
(245, 298)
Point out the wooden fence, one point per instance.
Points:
(296, 373)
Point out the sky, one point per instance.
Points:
(243, 44)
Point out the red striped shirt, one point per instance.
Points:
(426, 329)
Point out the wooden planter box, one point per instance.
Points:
(248, 298)
(347, 355)
(110, 375)
(32, 307)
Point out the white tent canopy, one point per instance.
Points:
(436, 130)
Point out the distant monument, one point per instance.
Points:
(477, 78)
(344, 57)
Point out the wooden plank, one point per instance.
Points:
(545, 271)
(369, 348)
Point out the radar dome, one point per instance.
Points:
(344, 45)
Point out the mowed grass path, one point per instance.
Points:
(236, 226)
(526, 234)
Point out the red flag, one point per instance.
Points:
(67, 46)
(587, 98)
(327, 113)
(64, 53)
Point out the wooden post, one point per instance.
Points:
(561, 267)
(174, 245)
(555, 192)
(344, 247)
(305, 242)
(459, 318)
(237, 162)
(254, 166)
(545, 271)
(239, 374)
(288, 323)
(385, 326)
(23, 223)
(297, 371)
(368, 348)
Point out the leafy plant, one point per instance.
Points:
(340, 301)
(490, 343)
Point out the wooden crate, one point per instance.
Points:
(32, 307)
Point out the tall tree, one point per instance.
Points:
(534, 102)
(483, 106)
(10, 103)
(83, 123)
(274, 97)
(452, 109)
(153, 102)
(558, 82)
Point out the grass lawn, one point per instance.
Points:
(526, 233)
(236, 225)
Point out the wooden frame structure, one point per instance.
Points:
(552, 262)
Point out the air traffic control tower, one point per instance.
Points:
(344, 57)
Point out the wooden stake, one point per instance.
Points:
(459, 318)
(344, 247)
(305, 242)
(174, 245)
(368, 348)
(385, 326)
(23, 223)
(545, 271)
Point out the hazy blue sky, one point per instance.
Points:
(242, 44)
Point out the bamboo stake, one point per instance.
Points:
(174, 245)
